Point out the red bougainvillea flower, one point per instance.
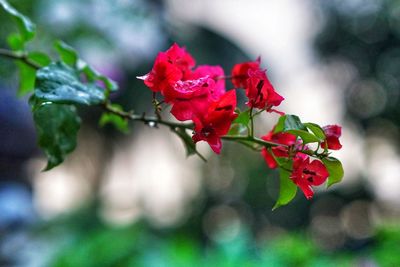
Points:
(260, 91)
(181, 59)
(190, 98)
(332, 133)
(216, 121)
(163, 75)
(240, 72)
(189, 91)
(214, 72)
(286, 139)
(169, 67)
(307, 174)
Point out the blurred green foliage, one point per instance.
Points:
(139, 245)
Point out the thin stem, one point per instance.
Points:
(258, 112)
(277, 161)
(251, 133)
(146, 119)
(189, 126)
(21, 56)
(249, 145)
(251, 139)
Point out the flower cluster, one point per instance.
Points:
(305, 173)
(199, 94)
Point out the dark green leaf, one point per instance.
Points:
(117, 121)
(306, 136)
(39, 58)
(15, 41)
(27, 78)
(187, 141)
(60, 84)
(335, 170)
(70, 56)
(67, 54)
(287, 189)
(190, 146)
(93, 75)
(316, 129)
(289, 122)
(25, 26)
(57, 126)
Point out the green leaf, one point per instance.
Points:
(243, 118)
(15, 41)
(187, 141)
(289, 122)
(282, 161)
(316, 129)
(67, 54)
(335, 170)
(190, 146)
(57, 126)
(306, 136)
(240, 124)
(39, 58)
(287, 189)
(293, 125)
(70, 56)
(60, 84)
(27, 78)
(25, 26)
(117, 121)
(93, 75)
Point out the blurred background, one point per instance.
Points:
(135, 200)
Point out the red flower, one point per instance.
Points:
(332, 133)
(190, 98)
(307, 174)
(286, 139)
(163, 75)
(169, 67)
(181, 59)
(216, 121)
(214, 72)
(260, 91)
(240, 72)
(189, 91)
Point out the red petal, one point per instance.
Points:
(321, 172)
(240, 72)
(269, 159)
(333, 133)
(333, 143)
(214, 72)
(215, 143)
